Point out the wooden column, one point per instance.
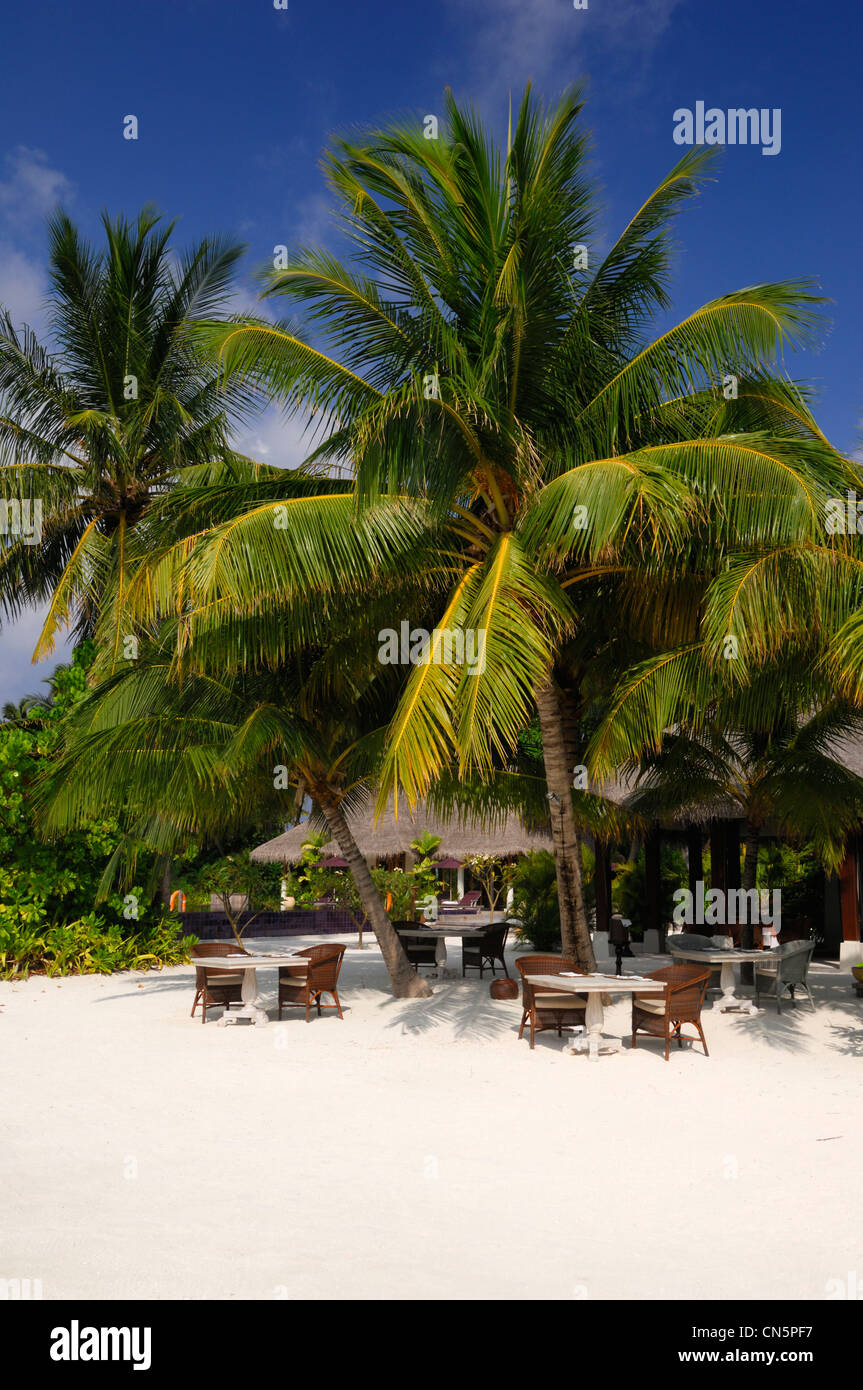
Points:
(718, 865)
(695, 856)
(653, 885)
(732, 854)
(602, 885)
(849, 904)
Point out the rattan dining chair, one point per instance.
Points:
(663, 1017)
(322, 977)
(216, 987)
(544, 1009)
(482, 952)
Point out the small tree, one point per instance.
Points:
(239, 874)
(494, 874)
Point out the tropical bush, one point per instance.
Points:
(535, 901)
(88, 946)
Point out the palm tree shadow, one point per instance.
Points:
(458, 1005)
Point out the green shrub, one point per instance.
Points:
(89, 946)
(534, 888)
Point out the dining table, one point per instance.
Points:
(726, 957)
(440, 932)
(594, 986)
(249, 964)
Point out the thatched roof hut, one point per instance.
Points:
(390, 838)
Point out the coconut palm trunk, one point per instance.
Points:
(574, 931)
(406, 982)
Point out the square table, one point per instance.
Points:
(726, 958)
(594, 986)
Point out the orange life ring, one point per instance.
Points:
(177, 894)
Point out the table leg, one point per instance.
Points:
(440, 955)
(250, 1008)
(728, 999)
(593, 1018)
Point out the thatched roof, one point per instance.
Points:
(391, 837)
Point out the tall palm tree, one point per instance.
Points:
(104, 421)
(574, 469)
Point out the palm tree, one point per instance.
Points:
(22, 713)
(577, 472)
(786, 772)
(95, 429)
(186, 752)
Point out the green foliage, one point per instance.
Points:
(535, 901)
(800, 876)
(88, 946)
(47, 891)
(44, 884)
(399, 890)
(629, 887)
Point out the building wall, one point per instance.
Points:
(317, 921)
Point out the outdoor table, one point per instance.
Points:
(440, 934)
(249, 965)
(594, 986)
(727, 959)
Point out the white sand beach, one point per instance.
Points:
(419, 1150)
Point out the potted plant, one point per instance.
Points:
(857, 972)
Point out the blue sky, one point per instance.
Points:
(235, 101)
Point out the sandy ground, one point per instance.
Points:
(419, 1150)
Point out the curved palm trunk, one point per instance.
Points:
(574, 931)
(406, 982)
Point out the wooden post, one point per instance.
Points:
(602, 884)
(695, 857)
(653, 884)
(849, 905)
(718, 865)
(732, 854)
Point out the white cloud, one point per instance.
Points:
(18, 675)
(275, 440)
(32, 188)
(513, 40)
(23, 286)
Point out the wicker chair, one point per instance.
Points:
(686, 986)
(785, 968)
(218, 987)
(322, 977)
(419, 949)
(547, 1010)
(477, 952)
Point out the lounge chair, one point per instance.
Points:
(686, 986)
(477, 952)
(322, 977)
(543, 1008)
(785, 968)
(468, 903)
(216, 987)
